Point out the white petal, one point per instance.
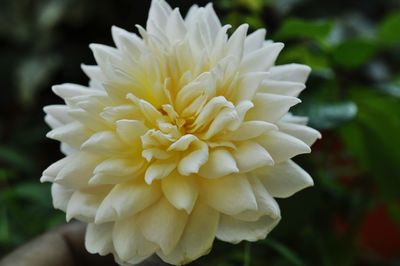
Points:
(181, 191)
(220, 163)
(104, 142)
(84, 203)
(284, 179)
(233, 230)
(61, 196)
(129, 241)
(130, 131)
(235, 44)
(68, 90)
(197, 237)
(163, 224)
(192, 162)
(261, 59)
(266, 204)
(290, 72)
(59, 112)
(127, 199)
(254, 41)
(78, 171)
(248, 86)
(74, 134)
(250, 155)
(282, 146)
(160, 169)
(52, 171)
(307, 134)
(175, 27)
(287, 88)
(270, 107)
(230, 195)
(249, 130)
(98, 238)
(159, 13)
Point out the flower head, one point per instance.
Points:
(182, 135)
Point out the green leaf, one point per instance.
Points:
(303, 29)
(388, 31)
(34, 192)
(354, 53)
(284, 251)
(15, 158)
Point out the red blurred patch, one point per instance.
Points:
(380, 234)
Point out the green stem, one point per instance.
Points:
(247, 254)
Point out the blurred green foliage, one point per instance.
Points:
(353, 97)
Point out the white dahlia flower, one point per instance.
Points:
(182, 136)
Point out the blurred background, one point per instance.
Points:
(352, 214)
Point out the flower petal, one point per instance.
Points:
(181, 191)
(290, 72)
(233, 230)
(98, 238)
(220, 163)
(61, 196)
(194, 244)
(167, 231)
(282, 146)
(230, 195)
(306, 134)
(126, 200)
(129, 241)
(250, 155)
(284, 179)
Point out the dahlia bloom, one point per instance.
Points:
(182, 136)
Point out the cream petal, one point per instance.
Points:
(164, 232)
(270, 107)
(129, 241)
(119, 167)
(98, 238)
(290, 72)
(130, 131)
(182, 143)
(221, 122)
(159, 13)
(84, 203)
(160, 169)
(287, 88)
(284, 179)
(58, 112)
(230, 195)
(104, 142)
(250, 155)
(282, 146)
(266, 204)
(61, 196)
(235, 44)
(181, 191)
(249, 130)
(78, 171)
(68, 90)
(127, 199)
(248, 86)
(306, 134)
(254, 41)
(220, 163)
(261, 59)
(52, 171)
(175, 27)
(212, 20)
(129, 43)
(233, 230)
(192, 162)
(74, 134)
(197, 238)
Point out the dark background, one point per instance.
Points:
(352, 214)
